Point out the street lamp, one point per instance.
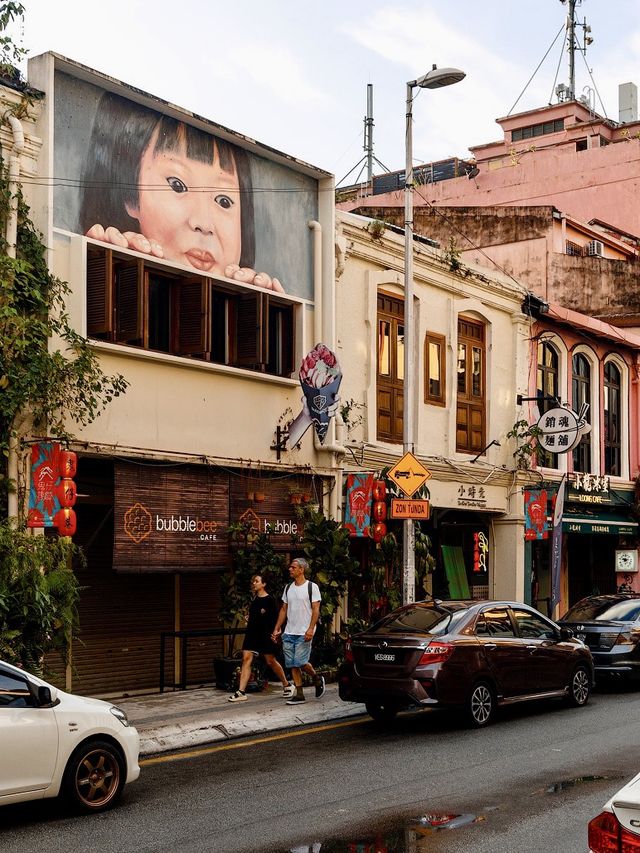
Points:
(436, 78)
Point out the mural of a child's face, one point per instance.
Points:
(192, 209)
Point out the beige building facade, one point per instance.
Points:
(471, 356)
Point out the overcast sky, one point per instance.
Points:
(293, 74)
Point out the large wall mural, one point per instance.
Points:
(138, 178)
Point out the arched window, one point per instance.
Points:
(581, 396)
(547, 387)
(612, 419)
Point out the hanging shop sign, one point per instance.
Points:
(561, 428)
(535, 514)
(357, 510)
(320, 378)
(170, 519)
(472, 496)
(409, 474)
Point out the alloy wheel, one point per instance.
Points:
(96, 778)
(580, 686)
(481, 705)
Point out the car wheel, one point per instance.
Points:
(580, 687)
(481, 705)
(94, 776)
(382, 712)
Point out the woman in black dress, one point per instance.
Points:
(263, 614)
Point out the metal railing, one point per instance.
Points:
(184, 637)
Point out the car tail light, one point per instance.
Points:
(348, 653)
(607, 835)
(436, 652)
(631, 637)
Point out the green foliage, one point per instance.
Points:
(527, 436)
(10, 53)
(38, 596)
(253, 554)
(325, 544)
(49, 386)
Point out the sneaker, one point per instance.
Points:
(296, 700)
(320, 686)
(238, 696)
(288, 691)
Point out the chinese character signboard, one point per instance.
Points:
(472, 495)
(556, 546)
(561, 429)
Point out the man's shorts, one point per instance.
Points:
(297, 650)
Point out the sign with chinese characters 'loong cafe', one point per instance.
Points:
(590, 488)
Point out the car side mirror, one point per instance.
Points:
(44, 695)
(566, 633)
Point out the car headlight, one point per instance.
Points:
(119, 714)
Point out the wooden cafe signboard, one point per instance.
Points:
(176, 519)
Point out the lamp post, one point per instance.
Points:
(436, 78)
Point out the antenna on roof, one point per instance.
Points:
(369, 156)
(568, 93)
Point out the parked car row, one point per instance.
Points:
(471, 655)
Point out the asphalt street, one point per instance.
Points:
(529, 784)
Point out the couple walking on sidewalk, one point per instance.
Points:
(299, 613)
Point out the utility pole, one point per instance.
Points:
(368, 132)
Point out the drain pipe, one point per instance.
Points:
(12, 237)
(315, 226)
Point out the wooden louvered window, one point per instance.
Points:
(471, 400)
(390, 376)
(147, 305)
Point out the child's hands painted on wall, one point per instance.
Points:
(249, 276)
(126, 240)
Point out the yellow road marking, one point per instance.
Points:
(194, 753)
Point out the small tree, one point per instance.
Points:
(42, 389)
(38, 596)
(325, 544)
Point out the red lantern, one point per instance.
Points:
(68, 463)
(379, 490)
(379, 511)
(379, 531)
(65, 520)
(67, 492)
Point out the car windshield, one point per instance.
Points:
(604, 610)
(419, 619)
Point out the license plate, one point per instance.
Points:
(582, 637)
(385, 657)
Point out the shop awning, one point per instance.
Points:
(607, 523)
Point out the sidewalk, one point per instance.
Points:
(189, 718)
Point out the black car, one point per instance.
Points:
(610, 626)
(473, 655)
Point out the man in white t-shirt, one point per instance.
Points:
(301, 611)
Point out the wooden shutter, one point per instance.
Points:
(192, 317)
(99, 293)
(250, 337)
(129, 313)
(471, 399)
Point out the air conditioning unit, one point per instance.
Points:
(596, 248)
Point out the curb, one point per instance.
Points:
(203, 730)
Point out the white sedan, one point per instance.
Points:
(617, 828)
(54, 743)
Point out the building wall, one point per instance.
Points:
(372, 265)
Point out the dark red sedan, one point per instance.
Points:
(473, 655)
